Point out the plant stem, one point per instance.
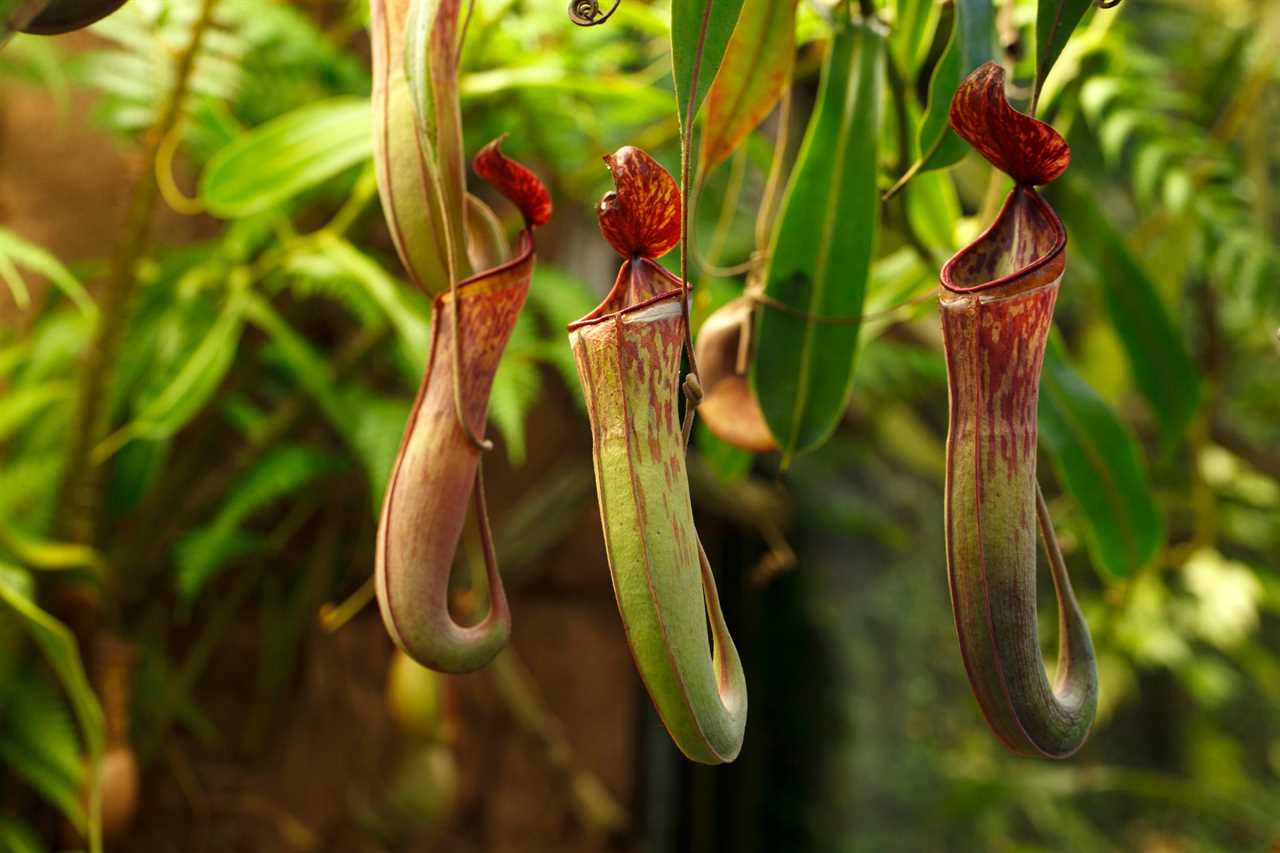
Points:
(80, 491)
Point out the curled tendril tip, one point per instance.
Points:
(587, 13)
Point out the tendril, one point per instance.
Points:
(587, 13)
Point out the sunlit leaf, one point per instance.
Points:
(756, 69)
(15, 250)
(1056, 20)
(700, 32)
(287, 156)
(910, 36)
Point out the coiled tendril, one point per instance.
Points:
(586, 13)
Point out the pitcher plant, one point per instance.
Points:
(628, 354)
(441, 234)
(997, 302)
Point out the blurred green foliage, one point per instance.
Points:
(268, 370)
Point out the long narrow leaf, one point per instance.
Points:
(756, 68)
(821, 251)
(36, 259)
(1056, 20)
(1158, 357)
(59, 647)
(700, 32)
(1098, 462)
(970, 45)
(187, 391)
(289, 155)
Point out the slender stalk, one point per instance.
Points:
(80, 491)
(692, 385)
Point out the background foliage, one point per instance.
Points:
(258, 396)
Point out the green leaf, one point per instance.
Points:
(1158, 358)
(1098, 463)
(970, 45)
(405, 317)
(821, 250)
(190, 387)
(204, 551)
(755, 71)
(1056, 20)
(59, 647)
(371, 426)
(727, 462)
(914, 23)
(700, 32)
(15, 250)
(36, 553)
(38, 740)
(23, 404)
(273, 163)
(16, 837)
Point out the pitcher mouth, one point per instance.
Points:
(474, 284)
(608, 310)
(971, 270)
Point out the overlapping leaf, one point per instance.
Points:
(700, 33)
(971, 44)
(821, 252)
(756, 68)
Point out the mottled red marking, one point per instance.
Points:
(525, 190)
(642, 216)
(997, 304)
(1024, 148)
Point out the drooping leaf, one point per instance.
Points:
(1056, 20)
(971, 44)
(700, 32)
(17, 251)
(17, 837)
(1158, 357)
(755, 71)
(1098, 462)
(23, 404)
(287, 156)
(187, 390)
(58, 645)
(406, 318)
(36, 553)
(821, 251)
